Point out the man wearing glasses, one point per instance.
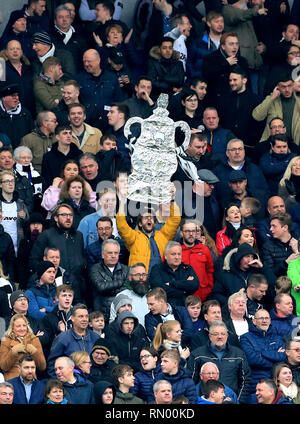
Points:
(197, 255)
(292, 350)
(262, 346)
(64, 237)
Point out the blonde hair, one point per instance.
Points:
(6, 172)
(161, 332)
(288, 172)
(79, 357)
(10, 331)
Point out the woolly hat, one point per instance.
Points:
(121, 300)
(243, 250)
(43, 266)
(36, 218)
(102, 344)
(16, 295)
(42, 37)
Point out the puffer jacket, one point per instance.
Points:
(106, 285)
(80, 392)
(128, 346)
(261, 350)
(165, 74)
(182, 384)
(41, 296)
(143, 383)
(274, 253)
(199, 257)
(234, 368)
(9, 362)
(138, 243)
(284, 327)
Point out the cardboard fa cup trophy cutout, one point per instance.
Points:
(154, 158)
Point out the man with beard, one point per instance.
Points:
(136, 289)
(28, 390)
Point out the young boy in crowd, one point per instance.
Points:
(193, 305)
(96, 322)
(124, 380)
(249, 207)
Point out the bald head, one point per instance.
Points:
(276, 205)
(209, 371)
(14, 51)
(91, 62)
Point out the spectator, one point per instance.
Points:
(107, 277)
(176, 278)
(7, 251)
(190, 103)
(136, 288)
(293, 274)
(48, 85)
(79, 337)
(102, 361)
(15, 120)
(54, 392)
(197, 255)
(90, 171)
(193, 305)
(19, 339)
(160, 311)
(84, 136)
(237, 321)
(28, 389)
(78, 391)
(268, 394)
(145, 377)
(162, 391)
(236, 374)
(149, 249)
(62, 150)
(284, 322)
(141, 104)
(36, 17)
(42, 296)
(289, 183)
(168, 336)
(172, 371)
(292, 350)
(97, 322)
(257, 287)
(104, 393)
(262, 346)
(232, 218)
(283, 379)
(124, 380)
(6, 393)
(82, 364)
(40, 140)
(180, 33)
(214, 393)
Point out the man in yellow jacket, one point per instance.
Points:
(147, 245)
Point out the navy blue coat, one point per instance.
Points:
(81, 392)
(261, 349)
(217, 140)
(182, 384)
(284, 326)
(197, 50)
(143, 383)
(36, 396)
(264, 233)
(180, 314)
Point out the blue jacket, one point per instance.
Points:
(261, 349)
(41, 296)
(180, 314)
(87, 227)
(36, 396)
(228, 393)
(284, 326)
(196, 52)
(217, 140)
(81, 392)
(143, 383)
(182, 384)
(264, 233)
(68, 342)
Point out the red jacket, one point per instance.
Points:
(199, 257)
(222, 240)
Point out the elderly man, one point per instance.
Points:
(267, 393)
(235, 372)
(237, 322)
(210, 371)
(283, 321)
(162, 391)
(107, 277)
(262, 346)
(102, 85)
(78, 391)
(176, 278)
(102, 362)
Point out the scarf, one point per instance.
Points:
(14, 111)
(187, 164)
(33, 176)
(172, 345)
(67, 34)
(49, 54)
(291, 391)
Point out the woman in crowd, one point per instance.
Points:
(75, 194)
(289, 186)
(82, 363)
(283, 378)
(104, 392)
(54, 393)
(168, 336)
(19, 339)
(203, 236)
(51, 195)
(232, 219)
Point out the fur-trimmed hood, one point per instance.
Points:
(23, 58)
(155, 54)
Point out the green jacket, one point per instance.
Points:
(38, 143)
(46, 92)
(293, 273)
(127, 398)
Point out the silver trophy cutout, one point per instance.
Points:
(154, 158)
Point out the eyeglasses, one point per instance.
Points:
(145, 356)
(277, 127)
(218, 334)
(190, 231)
(25, 157)
(138, 275)
(8, 181)
(236, 149)
(294, 53)
(100, 353)
(296, 349)
(65, 215)
(262, 318)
